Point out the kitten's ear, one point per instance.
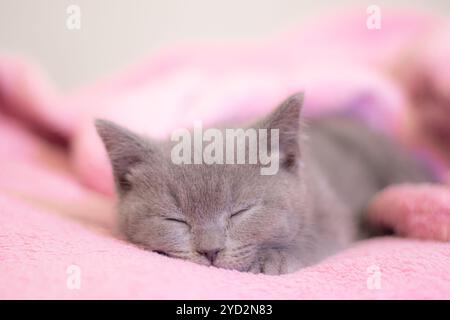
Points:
(125, 149)
(286, 118)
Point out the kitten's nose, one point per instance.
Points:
(211, 255)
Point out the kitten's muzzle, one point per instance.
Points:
(211, 255)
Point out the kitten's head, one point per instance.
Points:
(219, 214)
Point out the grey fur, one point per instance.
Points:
(233, 217)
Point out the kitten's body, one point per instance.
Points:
(346, 163)
(233, 217)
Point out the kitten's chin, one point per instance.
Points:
(240, 266)
(200, 261)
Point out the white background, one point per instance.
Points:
(115, 33)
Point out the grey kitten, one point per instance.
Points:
(231, 216)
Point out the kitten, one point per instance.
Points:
(231, 216)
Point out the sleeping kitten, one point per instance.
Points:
(231, 216)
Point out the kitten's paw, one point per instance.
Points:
(255, 267)
(274, 262)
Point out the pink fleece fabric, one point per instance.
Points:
(56, 191)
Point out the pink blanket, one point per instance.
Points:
(58, 237)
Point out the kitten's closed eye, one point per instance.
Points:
(240, 212)
(176, 220)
